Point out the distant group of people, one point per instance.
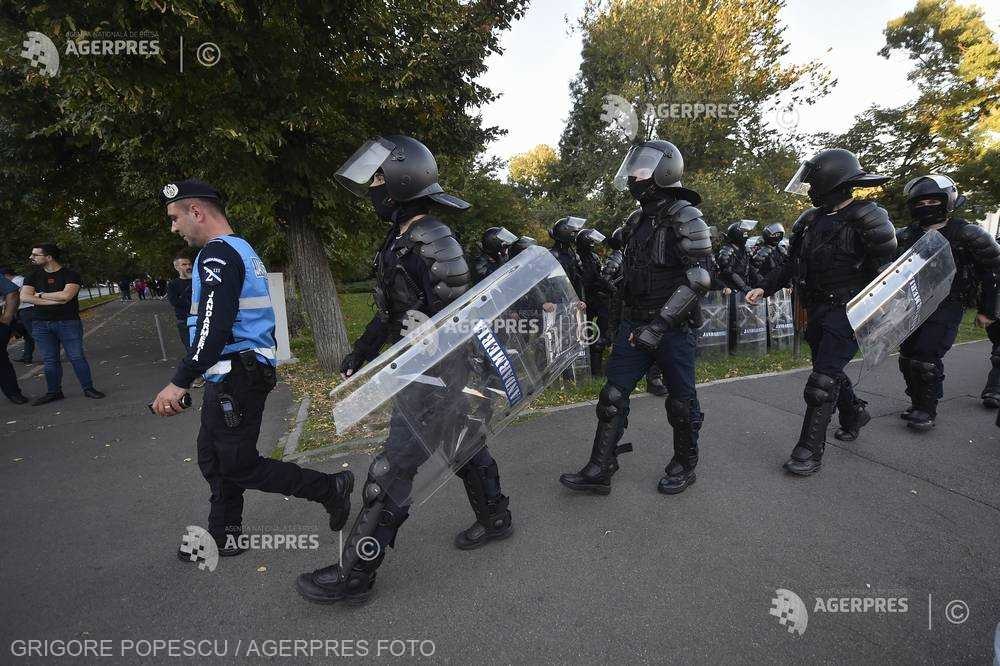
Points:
(143, 288)
(43, 308)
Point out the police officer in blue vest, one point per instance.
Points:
(231, 324)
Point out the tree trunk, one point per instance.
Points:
(317, 291)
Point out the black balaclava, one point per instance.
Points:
(831, 199)
(392, 211)
(928, 214)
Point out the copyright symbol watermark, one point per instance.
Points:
(368, 548)
(590, 332)
(208, 54)
(957, 611)
(786, 118)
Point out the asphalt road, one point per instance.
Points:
(96, 496)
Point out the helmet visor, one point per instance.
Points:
(357, 172)
(944, 182)
(798, 184)
(591, 236)
(505, 237)
(640, 163)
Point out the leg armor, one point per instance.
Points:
(991, 394)
(612, 419)
(820, 395)
(686, 422)
(374, 530)
(493, 520)
(927, 380)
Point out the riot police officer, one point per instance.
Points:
(734, 259)
(496, 244)
(838, 247)
(564, 233)
(662, 284)
(420, 266)
(596, 290)
(231, 327)
(991, 392)
(931, 201)
(769, 254)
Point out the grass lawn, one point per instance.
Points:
(306, 378)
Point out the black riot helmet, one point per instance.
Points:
(588, 239)
(651, 168)
(497, 240)
(616, 240)
(409, 168)
(773, 233)
(565, 230)
(931, 199)
(521, 244)
(739, 232)
(828, 177)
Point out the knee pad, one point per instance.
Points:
(995, 360)
(926, 371)
(819, 389)
(611, 403)
(678, 412)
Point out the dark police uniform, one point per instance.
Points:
(231, 343)
(977, 258)
(598, 294)
(832, 257)
(665, 246)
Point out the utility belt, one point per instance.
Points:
(248, 374)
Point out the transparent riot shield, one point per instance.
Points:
(460, 377)
(780, 320)
(901, 298)
(751, 328)
(712, 336)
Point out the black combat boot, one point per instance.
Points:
(926, 384)
(482, 485)
(686, 421)
(595, 477)
(821, 398)
(338, 504)
(654, 382)
(991, 394)
(374, 530)
(853, 418)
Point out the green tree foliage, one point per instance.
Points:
(298, 87)
(660, 53)
(953, 124)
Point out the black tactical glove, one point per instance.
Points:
(648, 336)
(352, 363)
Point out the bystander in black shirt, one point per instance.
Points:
(179, 295)
(49, 283)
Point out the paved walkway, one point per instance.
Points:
(97, 495)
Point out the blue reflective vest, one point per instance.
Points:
(254, 325)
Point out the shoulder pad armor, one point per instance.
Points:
(692, 232)
(725, 254)
(806, 218)
(875, 226)
(434, 242)
(980, 244)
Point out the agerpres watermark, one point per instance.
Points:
(793, 614)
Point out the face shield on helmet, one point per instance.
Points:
(639, 164)
(931, 186)
(357, 172)
(589, 237)
(798, 184)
